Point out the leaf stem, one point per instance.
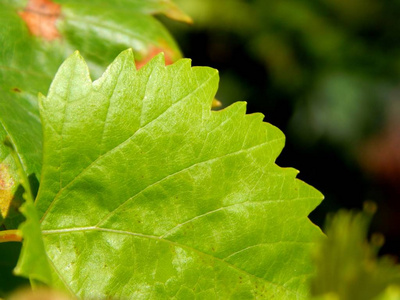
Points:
(13, 235)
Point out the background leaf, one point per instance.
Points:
(147, 193)
(148, 7)
(347, 263)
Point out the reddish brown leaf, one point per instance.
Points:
(41, 16)
(153, 52)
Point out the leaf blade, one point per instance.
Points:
(183, 194)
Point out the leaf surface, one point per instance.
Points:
(36, 38)
(148, 194)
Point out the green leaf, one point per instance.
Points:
(28, 62)
(148, 194)
(33, 262)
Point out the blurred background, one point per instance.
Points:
(327, 73)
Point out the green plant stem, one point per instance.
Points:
(13, 235)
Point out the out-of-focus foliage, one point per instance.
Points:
(338, 60)
(347, 264)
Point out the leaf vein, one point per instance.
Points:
(268, 243)
(119, 146)
(178, 172)
(175, 244)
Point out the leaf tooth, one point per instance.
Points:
(256, 117)
(72, 71)
(156, 62)
(124, 64)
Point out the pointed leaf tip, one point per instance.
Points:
(126, 53)
(73, 70)
(125, 56)
(73, 62)
(175, 13)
